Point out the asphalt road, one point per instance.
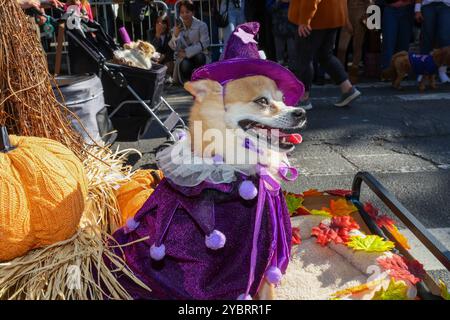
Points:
(401, 137)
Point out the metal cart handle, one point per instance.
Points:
(417, 228)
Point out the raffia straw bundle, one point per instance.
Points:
(28, 106)
(44, 273)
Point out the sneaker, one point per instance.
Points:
(348, 97)
(444, 78)
(306, 104)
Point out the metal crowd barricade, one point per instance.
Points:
(106, 13)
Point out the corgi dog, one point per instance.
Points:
(245, 111)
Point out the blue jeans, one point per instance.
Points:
(435, 26)
(396, 27)
(236, 17)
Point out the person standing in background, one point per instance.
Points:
(435, 18)
(318, 23)
(355, 29)
(396, 28)
(236, 16)
(284, 33)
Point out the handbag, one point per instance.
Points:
(221, 19)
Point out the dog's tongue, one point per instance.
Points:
(295, 138)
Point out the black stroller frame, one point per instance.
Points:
(428, 289)
(119, 74)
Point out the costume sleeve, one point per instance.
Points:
(202, 44)
(308, 9)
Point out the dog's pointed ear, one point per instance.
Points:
(201, 88)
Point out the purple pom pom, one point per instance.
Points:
(157, 253)
(215, 240)
(244, 297)
(274, 275)
(181, 135)
(131, 225)
(218, 159)
(247, 190)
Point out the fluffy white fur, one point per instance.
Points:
(136, 54)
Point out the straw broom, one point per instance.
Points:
(28, 106)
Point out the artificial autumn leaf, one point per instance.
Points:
(293, 202)
(339, 192)
(380, 219)
(341, 207)
(325, 235)
(416, 268)
(397, 290)
(345, 222)
(302, 211)
(312, 193)
(370, 243)
(343, 225)
(296, 239)
(356, 289)
(320, 213)
(445, 294)
(337, 231)
(397, 268)
(401, 239)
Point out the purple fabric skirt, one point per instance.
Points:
(180, 218)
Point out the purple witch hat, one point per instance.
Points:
(242, 59)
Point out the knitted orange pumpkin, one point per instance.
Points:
(132, 195)
(43, 188)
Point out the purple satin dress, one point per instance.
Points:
(181, 217)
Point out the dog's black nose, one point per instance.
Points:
(299, 113)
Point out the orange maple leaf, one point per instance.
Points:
(357, 289)
(341, 207)
(401, 239)
(312, 193)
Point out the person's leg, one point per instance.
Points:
(359, 31)
(443, 34)
(186, 69)
(198, 60)
(330, 63)
(428, 28)
(307, 49)
(443, 25)
(405, 28)
(335, 68)
(292, 53)
(389, 30)
(344, 41)
(280, 48)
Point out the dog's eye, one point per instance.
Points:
(262, 102)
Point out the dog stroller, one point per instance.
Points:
(92, 51)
